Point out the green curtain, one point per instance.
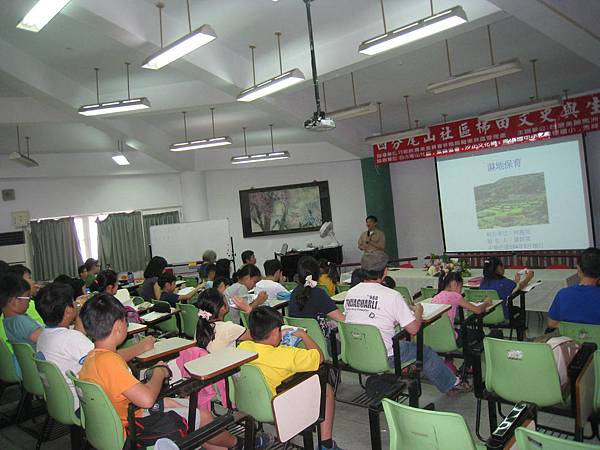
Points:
(121, 242)
(55, 248)
(150, 220)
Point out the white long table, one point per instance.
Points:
(539, 299)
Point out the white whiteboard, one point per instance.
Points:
(185, 242)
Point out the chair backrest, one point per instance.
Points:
(252, 394)
(8, 370)
(189, 319)
(405, 293)
(290, 285)
(58, 394)
(580, 332)
(102, 425)
(191, 281)
(244, 318)
(439, 335)
(414, 428)
(170, 324)
(522, 371)
(428, 292)
(31, 377)
(313, 330)
(363, 347)
(534, 440)
(343, 287)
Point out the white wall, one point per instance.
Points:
(53, 197)
(345, 189)
(416, 208)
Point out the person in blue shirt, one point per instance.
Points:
(579, 303)
(14, 301)
(494, 280)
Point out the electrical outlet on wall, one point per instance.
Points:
(20, 219)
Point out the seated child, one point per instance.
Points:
(271, 283)
(104, 320)
(324, 276)
(211, 274)
(67, 347)
(82, 270)
(278, 362)
(221, 284)
(14, 302)
(25, 273)
(167, 283)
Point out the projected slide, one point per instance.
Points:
(512, 201)
(531, 198)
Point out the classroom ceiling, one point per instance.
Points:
(46, 76)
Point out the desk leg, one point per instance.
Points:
(374, 429)
(192, 411)
(307, 439)
(420, 349)
(249, 434)
(522, 318)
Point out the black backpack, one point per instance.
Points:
(158, 425)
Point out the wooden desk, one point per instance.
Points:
(164, 348)
(211, 368)
(277, 304)
(134, 328)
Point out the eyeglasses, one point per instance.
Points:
(22, 298)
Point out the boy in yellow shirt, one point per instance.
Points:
(278, 362)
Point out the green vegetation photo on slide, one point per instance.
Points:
(512, 201)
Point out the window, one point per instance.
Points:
(87, 235)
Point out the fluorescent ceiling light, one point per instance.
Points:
(519, 109)
(259, 157)
(121, 160)
(22, 159)
(395, 135)
(202, 143)
(476, 76)
(41, 13)
(353, 111)
(117, 106)
(272, 85)
(414, 31)
(181, 47)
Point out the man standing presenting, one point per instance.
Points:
(372, 243)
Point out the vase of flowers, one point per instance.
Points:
(443, 264)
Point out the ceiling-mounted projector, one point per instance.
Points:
(318, 122)
(22, 159)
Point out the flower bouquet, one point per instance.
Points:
(439, 264)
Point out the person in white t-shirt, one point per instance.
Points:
(66, 347)
(271, 283)
(372, 303)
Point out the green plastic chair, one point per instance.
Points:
(513, 368)
(404, 292)
(414, 428)
(439, 335)
(8, 370)
(580, 332)
(189, 319)
(428, 292)
(343, 287)
(478, 295)
(58, 394)
(364, 350)
(313, 330)
(534, 440)
(252, 394)
(102, 425)
(190, 281)
(169, 325)
(244, 318)
(290, 285)
(31, 377)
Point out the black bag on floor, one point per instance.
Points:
(159, 425)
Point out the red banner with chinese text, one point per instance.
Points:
(574, 116)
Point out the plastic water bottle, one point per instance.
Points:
(130, 278)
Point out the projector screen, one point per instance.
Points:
(525, 199)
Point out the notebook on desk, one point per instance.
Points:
(433, 309)
(185, 290)
(151, 317)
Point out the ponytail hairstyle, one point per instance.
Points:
(209, 304)
(448, 277)
(489, 268)
(329, 270)
(308, 273)
(105, 279)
